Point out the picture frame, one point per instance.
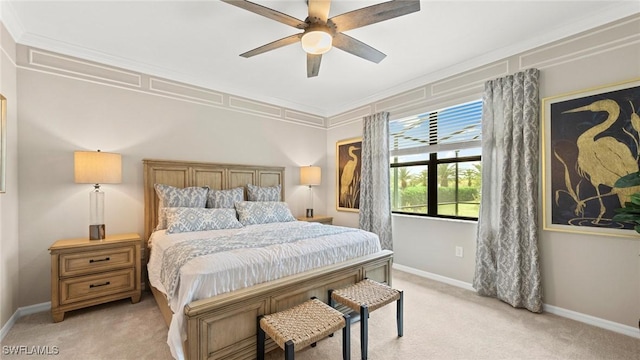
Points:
(590, 138)
(348, 170)
(3, 143)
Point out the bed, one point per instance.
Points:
(217, 319)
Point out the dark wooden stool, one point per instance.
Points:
(365, 297)
(303, 325)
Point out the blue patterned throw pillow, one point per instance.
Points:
(171, 196)
(262, 193)
(263, 212)
(224, 198)
(183, 219)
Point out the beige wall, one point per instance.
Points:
(69, 105)
(589, 274)
(9, 274)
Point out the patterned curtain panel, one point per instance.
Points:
(507, 265)
(375, 203)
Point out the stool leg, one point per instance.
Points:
(331, 302)
(288, 350)
(260, 341)
(399, 314)
(364, 330)
(346, 338)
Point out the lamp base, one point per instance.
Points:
(309, 213)
(96, 232)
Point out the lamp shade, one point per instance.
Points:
(310, 175)
(96, 167)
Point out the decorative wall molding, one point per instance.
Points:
(81, 68)
(592, 43)
(307, 118)
(185, 91)
(469, 85)
(254, 107)
(401, 99)
(470, 80)
(453, 90)
(85, 70)
(350, 116)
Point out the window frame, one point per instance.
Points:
(432, 174)
(432, 184)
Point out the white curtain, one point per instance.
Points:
(507, 265)
(375, 205)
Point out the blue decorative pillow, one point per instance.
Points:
(182, 219)
(261, 193)
(263, 212)
(224, 198)
(171, 196)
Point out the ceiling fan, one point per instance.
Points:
(321, 33)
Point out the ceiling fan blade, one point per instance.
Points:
(269, 13)
(375, 13)
(357, 48)
(313, 65)
(319, 9)
(273, 45)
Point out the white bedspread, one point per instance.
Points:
(209, 275)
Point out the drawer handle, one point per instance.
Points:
(94, 261)
(98, 285)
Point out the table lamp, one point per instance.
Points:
(96, 167)
(311, 176)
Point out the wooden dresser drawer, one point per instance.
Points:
(90, 272)
(94, 286)
(89, 262)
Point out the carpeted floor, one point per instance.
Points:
(441, 322)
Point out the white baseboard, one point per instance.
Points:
(436, 277)
(573, 315)
(23, 311)
(592, 320)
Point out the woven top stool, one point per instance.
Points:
(364, 297)
(303, 325)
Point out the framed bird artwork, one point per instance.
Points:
(591, 138)
(348, 174)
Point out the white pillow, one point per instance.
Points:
(263, 212)
(184, 219)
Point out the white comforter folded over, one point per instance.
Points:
(220, 272)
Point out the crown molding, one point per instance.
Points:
(614, 12)
(12, 22)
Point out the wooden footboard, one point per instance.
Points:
(224, 326)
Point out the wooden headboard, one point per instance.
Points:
(188, 173)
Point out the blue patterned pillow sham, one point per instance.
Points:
(171, 196)
(184, 219)
(224, 198)
(262, 193)
(263, 212)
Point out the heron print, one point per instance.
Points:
(595, 140)
(349, 164)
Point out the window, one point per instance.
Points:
(436, 168)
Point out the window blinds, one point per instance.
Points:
(453, 128)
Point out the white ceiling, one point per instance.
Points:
(198, 42)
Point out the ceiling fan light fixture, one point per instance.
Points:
(316, 42)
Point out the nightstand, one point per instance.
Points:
(90, 272)
(327, 220)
